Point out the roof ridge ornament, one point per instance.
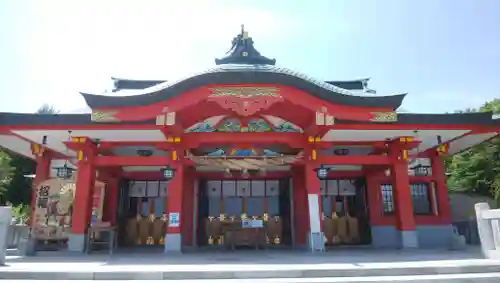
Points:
(243, 52)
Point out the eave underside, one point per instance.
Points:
(18, 131)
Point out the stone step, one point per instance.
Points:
(263, 273)
(443, 278)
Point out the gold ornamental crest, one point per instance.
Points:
(384, 117)
(245, 92)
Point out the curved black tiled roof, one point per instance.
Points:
(120, 84)
(23, 119)
(244, 74)
(351, 85)
(472, 118)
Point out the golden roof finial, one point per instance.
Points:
(244, 34)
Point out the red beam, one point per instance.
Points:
(108, 161)
(195, 140)
(111, 145)
(354, 160)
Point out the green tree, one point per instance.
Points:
(477, 170)
(47, 109)
(18, 189)
(6, 171)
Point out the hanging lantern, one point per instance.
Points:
(322, 172)
(64, 172)
(387, 172)
(245, 174)
(168, 173)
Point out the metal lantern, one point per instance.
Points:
(168, 173)
(322, 172)
(64, 172)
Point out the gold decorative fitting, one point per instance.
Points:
(442, 149)
(313, 154)
(152, 217)
(266, 217)
(150, 241)
(210, 240)
(80, 155)
(210, 218)
(384, 117)
(164, 217)
(404, 154)
(161, 241)
(245, 92)
(220, 241)
(103, 116)
(243, 216)
(254, 217)
(406, 139)
(277, 240)
(222, 217)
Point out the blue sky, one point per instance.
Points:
(445, 54)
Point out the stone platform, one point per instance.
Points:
(261, 266)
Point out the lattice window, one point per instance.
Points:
(387, 200)
(419, 194)
(420, 198)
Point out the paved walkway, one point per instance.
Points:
(219, 265)
(341, 258)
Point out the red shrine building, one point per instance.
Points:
(250, 154)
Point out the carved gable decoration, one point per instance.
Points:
(245, 101)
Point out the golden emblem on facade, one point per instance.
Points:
(103, 116)
(384, 117)
(245, 92)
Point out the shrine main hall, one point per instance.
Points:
(245, 154)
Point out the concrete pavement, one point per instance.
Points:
(354, 265)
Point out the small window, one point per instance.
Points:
(387, 200)
(419, 195)
(420, 198)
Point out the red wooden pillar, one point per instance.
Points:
(313, 185)
(439, 177)
(300, 208)
(173, 239)
(111, 197)
(405, 221)
(374, 198)
(187, 208)
(42, 173)
(82, 207)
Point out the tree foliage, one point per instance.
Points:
(17, 187)
(5, 172)
(477, 170)
(47, 109)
